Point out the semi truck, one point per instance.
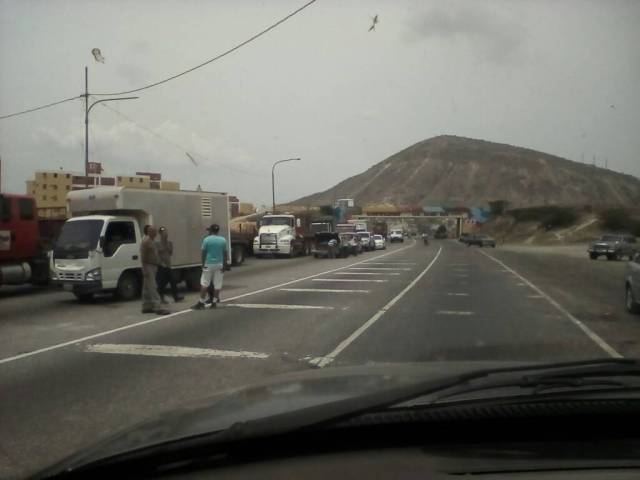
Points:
(289, 235)
(98, 249)
(25, 241)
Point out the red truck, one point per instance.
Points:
(24, 241)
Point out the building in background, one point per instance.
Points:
(50, 187)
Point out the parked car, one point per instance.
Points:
(366, 239)
(632, 285)
(614, 246)
(396, 236)
(481, 241)
(330, 245)
(380, 242)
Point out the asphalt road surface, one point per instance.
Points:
(73, 373)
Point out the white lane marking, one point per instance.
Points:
(590, 333)
(452, 294)
(380, 268)
(389, 263)
(181, 312)
(323, 290)
(347, 280)
(365, 273)
(170, 351)
(274, 306)
(453, 312)
(327, 359)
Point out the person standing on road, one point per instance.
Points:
(150, 262)
(165, 251)
(214, 262)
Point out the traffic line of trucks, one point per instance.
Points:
(97, 248)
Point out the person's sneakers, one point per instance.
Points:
(178, 299)
(198, 306)
(162, 311)
(148, 310)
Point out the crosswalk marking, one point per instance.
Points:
(453, 294)
(170, 351)
(348, 280)
(453, 312)
(274, 306)
(325, 290)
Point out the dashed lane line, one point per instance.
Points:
(587, 331)
(366, 273)
(170, 351)
(454, 312)
(381, 268)
(327, 359)
(274, 306)
(453, 294)
(75, 341)
(348, 280)
(323, 290)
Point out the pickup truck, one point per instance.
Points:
(480, 240)
(614, 246)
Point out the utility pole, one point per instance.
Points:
(87, 109)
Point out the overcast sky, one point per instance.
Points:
(561, 77)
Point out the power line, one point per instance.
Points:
(218, 57)
(223, 54)
(177, 145)
(40, 107)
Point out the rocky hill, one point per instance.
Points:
(462, 171)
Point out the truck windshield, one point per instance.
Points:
(277, 221)
(77, 238)
(609, 238)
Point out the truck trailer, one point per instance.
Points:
(98, 249)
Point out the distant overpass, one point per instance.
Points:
(452, 222)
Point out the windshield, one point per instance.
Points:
(266, 221)
(77, 238)
(476, 164)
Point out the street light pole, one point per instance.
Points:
(87, 109)
(273, 182)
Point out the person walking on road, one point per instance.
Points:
(214, 262)
(165, 251)
(150, 262)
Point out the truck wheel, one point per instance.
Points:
(237, 255)
(630, 301)
(128, 286)
(84, 297)
(192, 279)
(593, 256)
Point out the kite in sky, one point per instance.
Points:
(97, 55)
(375, 22)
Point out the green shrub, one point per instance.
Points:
(549, 217)
(620, 220)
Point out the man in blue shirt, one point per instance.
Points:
(214, 260)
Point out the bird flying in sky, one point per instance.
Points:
(374, 23)
(97, 55)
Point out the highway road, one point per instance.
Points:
(72, 373)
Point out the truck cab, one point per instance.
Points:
(95, 253)
(277, 236)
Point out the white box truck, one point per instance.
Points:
(99, 246)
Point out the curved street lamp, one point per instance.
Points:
(273, 188)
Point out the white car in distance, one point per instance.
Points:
(379, 242)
